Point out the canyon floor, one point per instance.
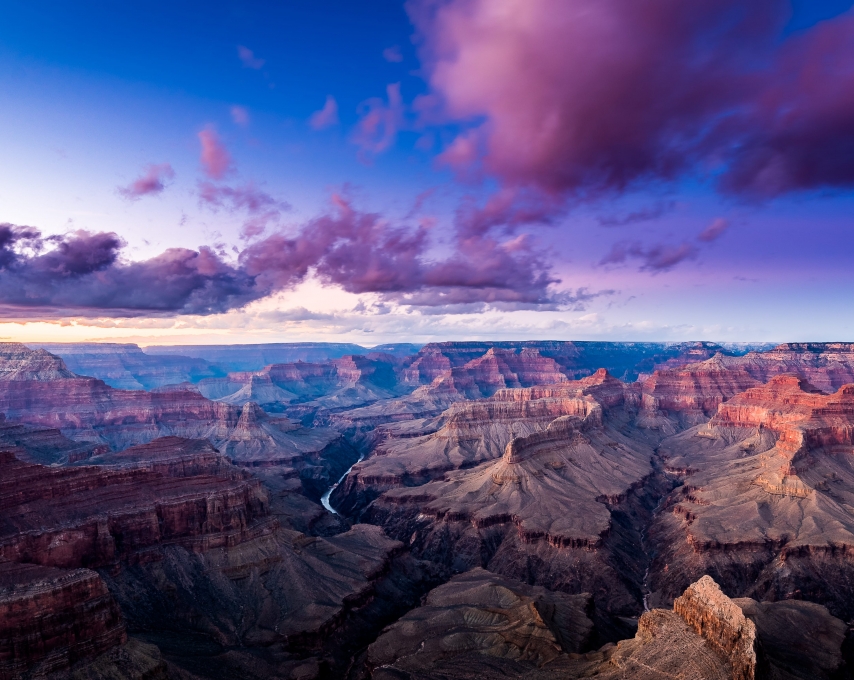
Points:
(457, 510)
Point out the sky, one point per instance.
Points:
(388, 171)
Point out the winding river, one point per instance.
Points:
(324, 499)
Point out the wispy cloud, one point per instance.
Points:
(714, 231)
(393, 54)
(325, 117)
(150, 183)
(380, 122)
(248, 58)
(215, 159)
(240, 115)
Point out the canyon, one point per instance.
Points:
(453, 510)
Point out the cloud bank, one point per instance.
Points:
(588, 97)
(84, 273)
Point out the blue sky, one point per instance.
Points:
(94, 93)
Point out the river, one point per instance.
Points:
(324, 499)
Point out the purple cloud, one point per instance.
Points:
(380, 122)
(215, 159)
(392, 54)
(261, 207)
(83, 273)
(586, 97)
(325, 117)
(714, 231)
(248, 58)
(240, 115)
(642, 215)
(659, 257)
(150, 183)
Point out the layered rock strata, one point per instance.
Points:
(468, 433)
(52, 618)
(551, 510)
(168, 492)
(766, 504)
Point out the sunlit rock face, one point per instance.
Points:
(766, 503)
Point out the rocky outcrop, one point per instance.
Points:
(56, 416)
(480, 613)
(477, 640)
(127, 367)
(690, 394)
(722, 623)
(37, 389)
(52, 618)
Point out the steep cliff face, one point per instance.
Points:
(169, 491)
(828, 366)
(187, 547)
(56, 416)
(722, 623)
(53, 618)
(766, 505)
(37, 389)
(692, 393)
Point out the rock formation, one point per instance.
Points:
(187, 547)
(480, 613)
(176, 531)
(549, 510)
(766, 504)
(477, 625)
(53, 618)
(411, 453)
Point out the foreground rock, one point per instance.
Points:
(481, 613)
(480, 626)
(52, 618)
(188, 548)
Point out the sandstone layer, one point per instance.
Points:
(766, 506)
